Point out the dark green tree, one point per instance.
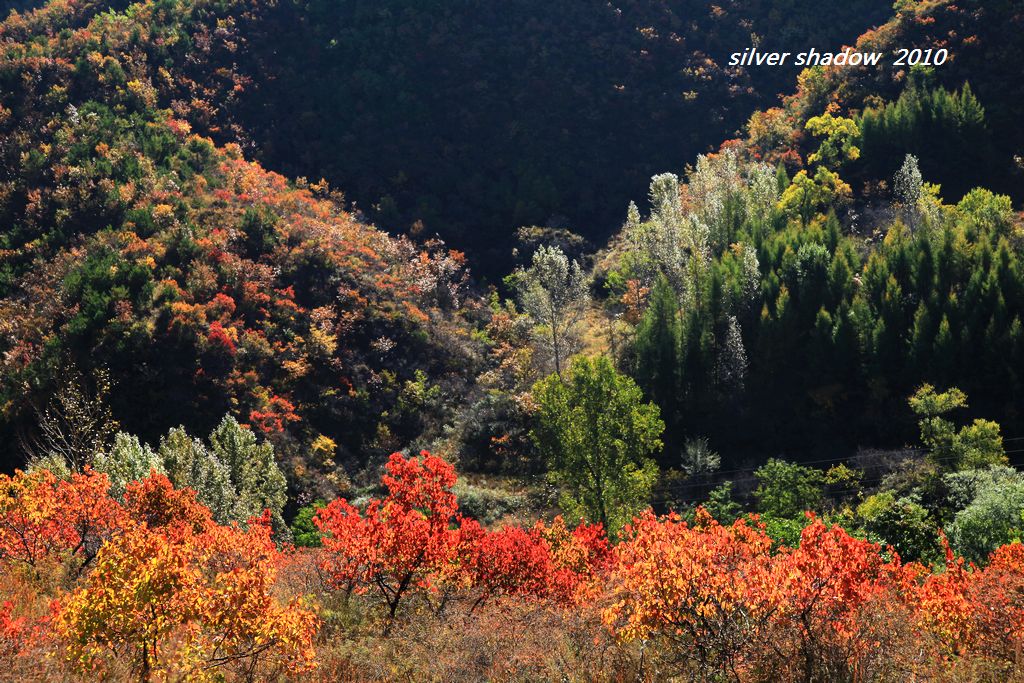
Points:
(657, 350)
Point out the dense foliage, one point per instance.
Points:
(469, 119)
(194, 282)
(770, 432)
(762, 302)
(152, 587)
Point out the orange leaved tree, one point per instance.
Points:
(704, 592)
(44, 518)
(840, 597)
(175, 593)
(546, 561)
(414, 541)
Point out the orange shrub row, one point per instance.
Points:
(150, 587)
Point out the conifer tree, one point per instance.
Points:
(657, 350)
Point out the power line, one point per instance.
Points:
(829, 461)
(690, 486)
(753, 470)
(837, 461)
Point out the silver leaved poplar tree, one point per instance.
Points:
(127, 460)
(908, 190)
(258, 482)
(554, 293)
(190, 464)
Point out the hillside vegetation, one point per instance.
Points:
(761, 423)
(198, 282)
(470, 119)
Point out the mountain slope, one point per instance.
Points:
(985, 56)
(202, 283)
(471, 119)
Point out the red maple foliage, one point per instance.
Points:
(151, 587)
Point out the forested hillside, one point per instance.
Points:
(332, 346)
(195, 281)
(876, 271)
(9, 6)
(470, 119)
(899, 111)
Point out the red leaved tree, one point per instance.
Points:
(402, 543)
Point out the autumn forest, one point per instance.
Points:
(510, 341)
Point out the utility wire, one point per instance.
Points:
(835, 461)
(690, 486)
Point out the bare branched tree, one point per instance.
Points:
(75, 424)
